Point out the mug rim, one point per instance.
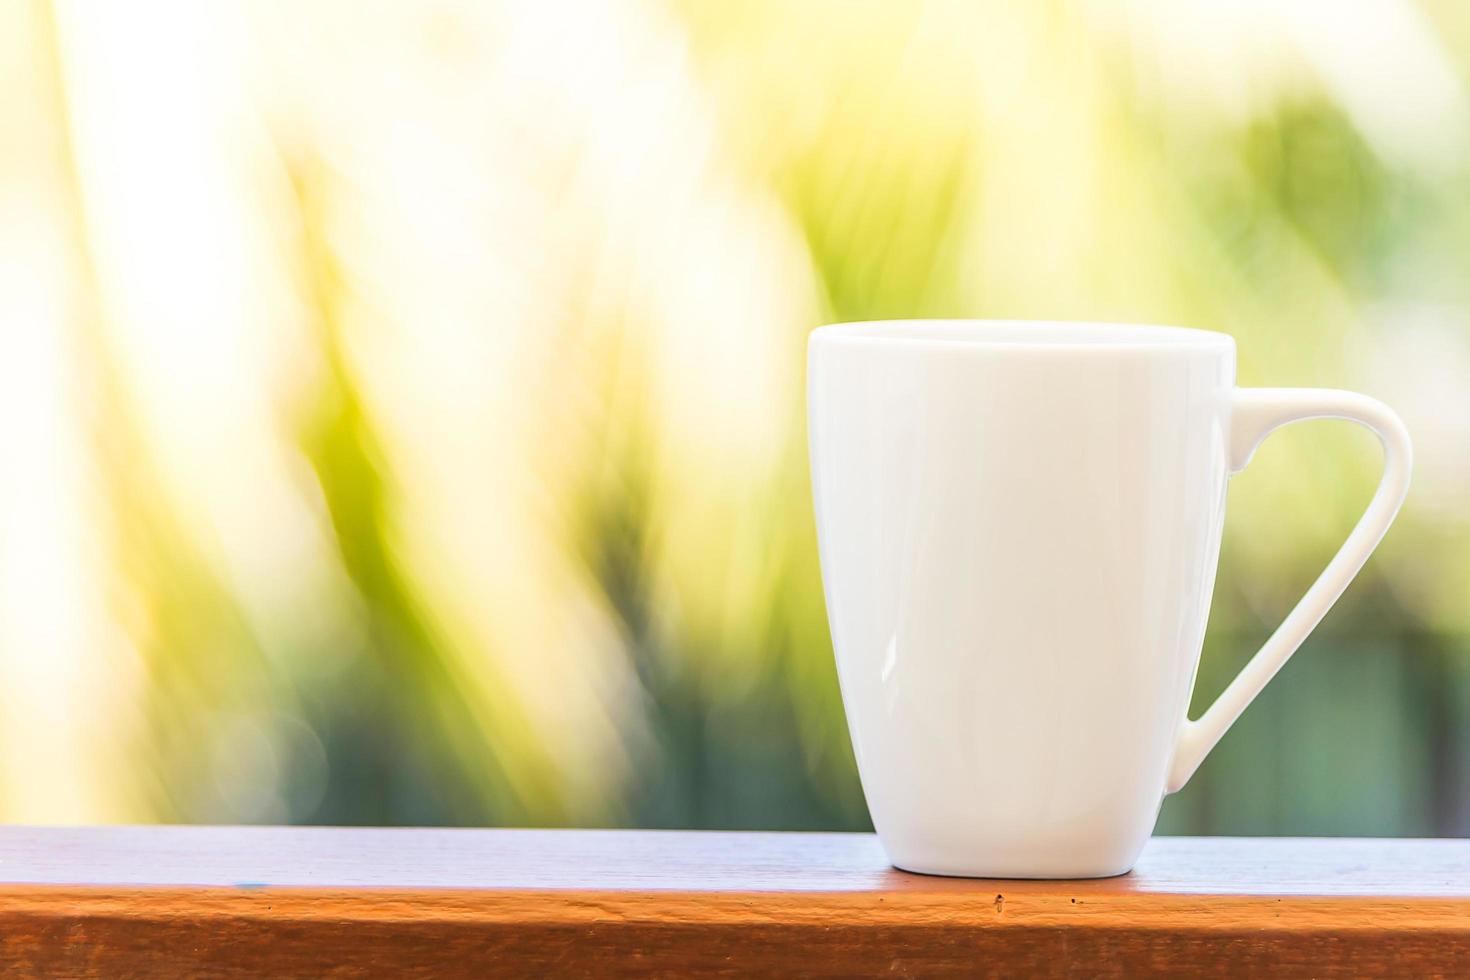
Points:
(1031, 335)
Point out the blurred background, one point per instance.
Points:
(401, 410)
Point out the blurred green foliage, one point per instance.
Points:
(435, 383)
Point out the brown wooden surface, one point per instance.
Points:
(230, 901)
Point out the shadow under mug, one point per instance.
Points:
(1019, 526)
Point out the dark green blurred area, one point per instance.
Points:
(439, 393)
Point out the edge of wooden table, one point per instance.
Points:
(195, 899)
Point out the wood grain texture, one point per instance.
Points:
(236, 902)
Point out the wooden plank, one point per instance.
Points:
(232, 901)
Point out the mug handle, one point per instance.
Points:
(1255, 413)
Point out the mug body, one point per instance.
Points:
(1019, 525)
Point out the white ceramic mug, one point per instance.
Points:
(1019, 527)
